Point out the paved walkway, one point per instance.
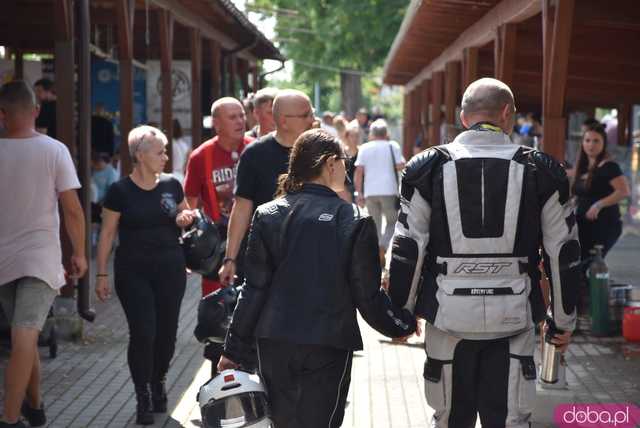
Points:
(88, 384)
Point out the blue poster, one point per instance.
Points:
(105, 91)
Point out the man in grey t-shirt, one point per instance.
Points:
(36, 173)
(377, 167)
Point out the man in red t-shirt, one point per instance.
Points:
(211, 170)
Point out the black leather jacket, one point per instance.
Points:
(312, 259)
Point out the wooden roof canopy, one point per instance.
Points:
(28, 25)
(428, 28)
(602, 69)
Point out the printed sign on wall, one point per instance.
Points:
(180, 87)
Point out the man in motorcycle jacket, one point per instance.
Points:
(465, 254)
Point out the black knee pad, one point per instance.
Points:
(570, 274)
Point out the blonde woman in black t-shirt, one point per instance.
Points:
(599, 186)
(147, 209)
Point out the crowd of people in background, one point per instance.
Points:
(228, 176)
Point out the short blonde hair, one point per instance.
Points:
(340, 123)
(141, 137)
(353, 128)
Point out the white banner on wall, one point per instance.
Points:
(32, 71)
(181, 88)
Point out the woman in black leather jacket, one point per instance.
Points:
(313, 259)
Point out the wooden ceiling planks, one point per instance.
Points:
(436, 24)
(601, 66)
(27, 25)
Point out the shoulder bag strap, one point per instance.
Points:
(208, 166)
(393, 164)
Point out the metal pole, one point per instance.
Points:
(316, 96)
(84, 150)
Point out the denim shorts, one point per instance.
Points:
(26, 302)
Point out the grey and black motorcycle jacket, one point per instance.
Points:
(312, 259)
(474, 216)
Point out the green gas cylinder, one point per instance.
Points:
(599, 293)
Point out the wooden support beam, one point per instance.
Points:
(166, 62)
(497, 53)
(196, 86)
(18, 65)
(556, 45)
(507, 60)
(64, 65)
(424, 106)
(547, 35)
(405, 121)
(451, 89)
(624, 119)
(256, 77)
(437, 83)
(232, 72)
(215, 52)
(410, 124)
(125, 67)
(63, 20)
(558, 61)
(470, 66)
(243, 71)
(84, 146)
(124, 25)
(416, 122)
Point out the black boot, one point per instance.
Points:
(143, 409)
(36, 417)
(159, 396)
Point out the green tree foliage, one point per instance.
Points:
(347, 34)
(325, 36)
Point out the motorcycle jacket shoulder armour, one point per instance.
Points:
(312, 260)
(474, 215)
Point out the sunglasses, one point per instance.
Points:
(309, 113)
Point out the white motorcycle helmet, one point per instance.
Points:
(234, 399)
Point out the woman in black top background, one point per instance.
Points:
(147, 209)
(599, 185)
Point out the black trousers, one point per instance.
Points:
(150, 286)
(591, 233)
(213, 352)
(307, 384)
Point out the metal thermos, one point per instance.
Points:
(599, 290)
(550, 355)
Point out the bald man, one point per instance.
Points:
(211, 170)
(473, 217)
(260, 166)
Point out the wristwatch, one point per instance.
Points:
(227, 260)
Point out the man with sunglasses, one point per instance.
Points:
(260, 166)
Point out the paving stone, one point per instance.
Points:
(88, 384)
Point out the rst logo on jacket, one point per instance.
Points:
(482, 268)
